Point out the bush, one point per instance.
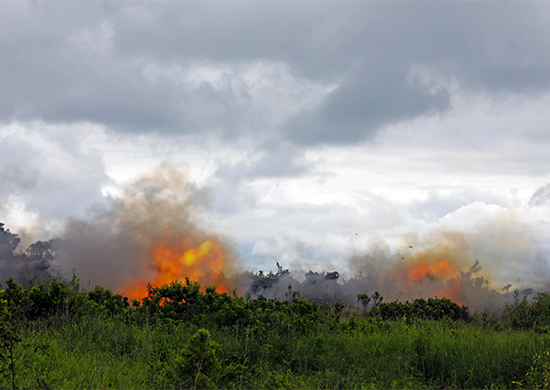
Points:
(199, 367)
(431, 309)
(8, 339)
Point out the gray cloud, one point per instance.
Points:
(15, 179)
(50, 172)
(88, 61)
(443, 90)
(277, 160)
(363, 105)
(541, 196)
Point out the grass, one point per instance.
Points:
(104, 352)
(182, 338)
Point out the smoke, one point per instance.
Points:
(479, 267)
(115, 246)
(151, 231)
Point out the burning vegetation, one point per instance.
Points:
(432, 300)
(180, 258)
(150, 233)
(150, 236)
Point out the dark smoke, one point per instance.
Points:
(474, 291)
(486, 265)
(113, 247)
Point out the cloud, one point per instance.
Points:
(323, 73)
(309, 122)
(15, 179)
(98, 42)
(541, 196)
(436, 204)
(364, 104)
(49, 170)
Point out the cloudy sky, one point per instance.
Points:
(316, 129)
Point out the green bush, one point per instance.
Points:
(528, 314)
(431, 309)
(8, 339)
(96, 339)
(199, 367)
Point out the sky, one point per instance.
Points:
(315, 133)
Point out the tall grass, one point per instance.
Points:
(104, 352)
(182, 338)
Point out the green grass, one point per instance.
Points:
(183, 338)
(104, 352)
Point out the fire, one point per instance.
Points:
(176, 259)
(444, 273)
(433, 270)
(452, 290)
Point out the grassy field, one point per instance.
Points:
(56, 336)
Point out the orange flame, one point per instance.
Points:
(452, 290)
(444, 272)
(178, 259)
(433, 270)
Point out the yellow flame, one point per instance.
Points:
(190, 256)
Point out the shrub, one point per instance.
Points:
(431, 309)
(538, 376)
(198, 367)
(8, 338)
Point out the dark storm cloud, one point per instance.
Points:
(89, 61)
(361, 106)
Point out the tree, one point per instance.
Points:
(364, 299)
(199, 365)
(8, 243)
(40, 250)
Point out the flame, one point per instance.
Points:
(177, 259)
(443, 272)
(452, 290)
(433, 270)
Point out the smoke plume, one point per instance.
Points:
(150, 233)
(479, 267)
